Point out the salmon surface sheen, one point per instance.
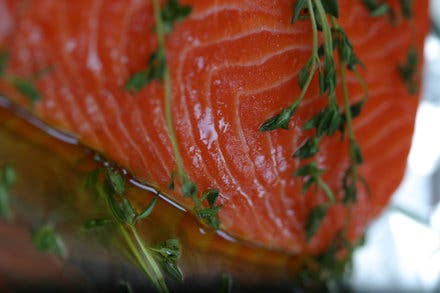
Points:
(233, 65)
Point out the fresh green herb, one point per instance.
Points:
(308, 149)
(298, 7)
(345, 49)
(210, 214)
(152, 260)
(96, 223)
(327, 121)
(325, 29)
(166, 17)
(355, 110)
(305, 76)
(47, 240)
(312, 174)
(333, 265)
(155, 71)
(146, 212)
(7, 180)
(173, 12)
(168, 253)
(314, 220)
(406, 7)
(331, 7)
(116, 180)
(281, 120)
(4, 58)
(189, 188)
(408, 71)
(27, 89)
(376, 8)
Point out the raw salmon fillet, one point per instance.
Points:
(234, 64)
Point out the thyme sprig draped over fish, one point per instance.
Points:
(157, 69)
(331, 118)
(408, 68)
(153, 260)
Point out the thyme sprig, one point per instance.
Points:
(171, 13)
(331, 119)
(153, 260)
(46, 239)
(408, 69)
(166, 17)
(377, 8)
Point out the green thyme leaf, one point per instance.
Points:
(375, 8)
(210, 216)
(189, 188)
(314, 220)
(305, 73)
(309, 183)
(310, 169)
(345, 49)
(210, 196)
(128, 211)
(327, 121)
(170, 249)
(331, 7)
(299, 6)
(27, 89)
(406, 7)
(355, 110)
(408, 71)
(147, 211)
(173, 12)
(115, 208)
(47, 240)
(116, 180)
(168, 253)
(4, 58)
(329, 82)
(280, 121)
(96, 223)
(155, 71)
(308, 149)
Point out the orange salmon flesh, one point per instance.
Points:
(233, 64)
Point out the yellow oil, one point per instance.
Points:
(51, 168)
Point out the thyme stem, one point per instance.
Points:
(168, 92)
(328, 40)
(151, 270)
(349, 122)
(149, 258)
(314, 27)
